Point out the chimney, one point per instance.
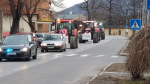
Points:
(70, 12)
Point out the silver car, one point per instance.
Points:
(53, 42)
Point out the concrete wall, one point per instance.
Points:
(116, 32)
(7, 22)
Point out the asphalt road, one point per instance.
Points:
(75, 66)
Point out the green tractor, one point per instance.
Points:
(101, 27)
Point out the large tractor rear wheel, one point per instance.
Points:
(103, 36)
(95, 38)
(73, 42)
(77, 42)
(80, 38)
(99, 37)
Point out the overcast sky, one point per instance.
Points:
(68, 3)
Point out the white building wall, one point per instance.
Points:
(7, 22)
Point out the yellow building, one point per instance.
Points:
(115, 31)
(117, 28)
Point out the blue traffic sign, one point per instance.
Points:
(126, 26)
(135, 24)
(148, 4)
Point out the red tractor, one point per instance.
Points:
(89, 31)
(69, 31)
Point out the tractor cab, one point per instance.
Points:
(66, 27)
(89, 32)
(68, 30)
(89, 26)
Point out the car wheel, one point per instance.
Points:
(0, 59)
(46, 50)
(35, 56)
(61, 50)
(29, 57)
(42, 50)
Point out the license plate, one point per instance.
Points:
(11, 53)
(50, 47)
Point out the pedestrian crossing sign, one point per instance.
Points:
(135, 24)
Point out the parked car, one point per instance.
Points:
(18, 46)
(53, 42)
(40, 37)
(34, 36)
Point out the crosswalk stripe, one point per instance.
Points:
(114, 56)
(84, 55)
(100, 56)
(44, 54)
(71, 55)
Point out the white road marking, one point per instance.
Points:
(44, 54)
(100, 56)
(71, 55)
(55, 57)
(58, 54)
(22, 68)
(84, 55)
(114, 56)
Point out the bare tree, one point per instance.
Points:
(15, 7)
(109, 6)
(90, 6)
(31, 7)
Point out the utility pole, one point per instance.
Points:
(91, 15)
(110, 9)
(1, 25)
(127, 21)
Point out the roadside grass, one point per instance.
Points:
(145, 81)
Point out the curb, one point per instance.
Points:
(100, 73)
(124, 54)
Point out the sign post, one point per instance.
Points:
(135, 24)
(148, 4)
(126, 30)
